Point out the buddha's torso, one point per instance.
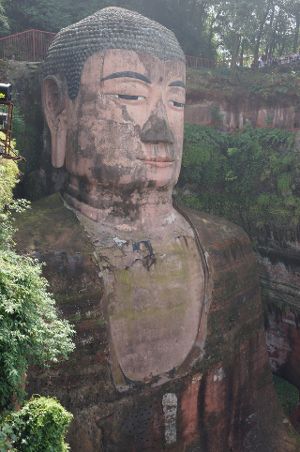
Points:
(154, 289)
(128, 302)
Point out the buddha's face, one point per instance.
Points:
(125, 128)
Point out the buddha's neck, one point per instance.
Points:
(137, 211)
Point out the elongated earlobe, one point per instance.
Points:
(54, 105)
(58, 139)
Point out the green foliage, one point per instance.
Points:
(40, 425)
(8, 178)
(276, 85)
(30, 331)
(239, 28)
(265, 88)
(288, 394)
(187, 19)
(251, 177)
(4, 27)
(216, 116)
(19, 128)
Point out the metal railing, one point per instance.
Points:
(29, 45)
(196, 62)
(32, 45)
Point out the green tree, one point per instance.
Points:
(40, 425)
(239, 27)
(48, 15)
(292, 8)
(231, 26)
(187, 19)
(4, 27)
(30, 330)
(250, 177)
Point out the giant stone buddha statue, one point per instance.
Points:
(170, 347)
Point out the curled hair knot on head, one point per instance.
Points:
(109, 28)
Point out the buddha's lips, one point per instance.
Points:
(160, 162)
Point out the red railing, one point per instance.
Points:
(29, 45)
(32, 45)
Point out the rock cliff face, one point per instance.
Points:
(278, 251)
(223, 402)
(235, 351)
(279, 257)
(25, 79)
(38, 177)
(231, 100)
(231, 116)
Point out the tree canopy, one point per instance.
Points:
(207, 28)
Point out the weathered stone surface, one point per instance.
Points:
(279, 258)
(38, 178)
(224, 402)
(25, 78)
(170, 346)
(237, 116)
(153, 323)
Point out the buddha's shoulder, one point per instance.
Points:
(49, 226)
(216, 234)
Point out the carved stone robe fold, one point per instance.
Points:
(217, 397)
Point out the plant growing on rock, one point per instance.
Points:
(30, 333)
(41, 425)
(251, 177)
(30, 330)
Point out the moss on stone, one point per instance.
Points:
(49, 223)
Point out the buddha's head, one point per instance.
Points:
(113, 95)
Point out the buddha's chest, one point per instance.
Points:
(155, 295)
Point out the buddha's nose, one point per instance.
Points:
(156, 130)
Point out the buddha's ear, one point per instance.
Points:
(54, 105)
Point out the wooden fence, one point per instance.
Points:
(30, 45)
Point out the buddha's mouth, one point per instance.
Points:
(160, 162)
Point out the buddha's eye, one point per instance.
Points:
(176, 104)
(129, 97)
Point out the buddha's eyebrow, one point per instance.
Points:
(177, 83)
(128, 74)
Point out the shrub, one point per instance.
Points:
(40, 426)
(250, 177)
(30, 333)
(30, 330)
(8, 178)
(287, 393)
